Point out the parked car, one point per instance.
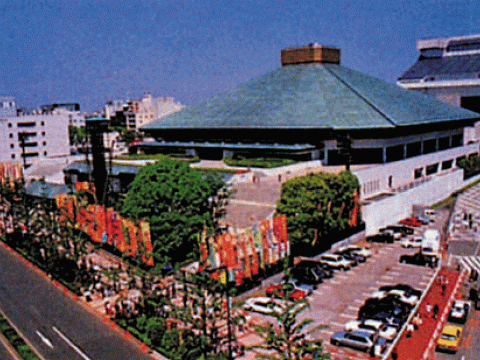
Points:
(383, 237)
(401, 295)
(319, 269)
(459, 311)
(411, 221)
(419, 258)
(409, 290)
(356, 258)
(403, 229)
(336, 261)
(299, 285)
(357, 250)
(413, 242)
(285, 290)
(264, 305)
(365, 341)
(374, 326)
(450, 338)
(391, 306)
(395, 234)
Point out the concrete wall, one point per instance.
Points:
(390, 210)
(376, 179)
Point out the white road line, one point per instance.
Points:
(337, 324)
(359, 301)
(351, 307)
(44, 339)
(348, 316)
(71, 344)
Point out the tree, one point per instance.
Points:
(316, 205)
(289, 338)
(177, 202)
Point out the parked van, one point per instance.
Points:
(431, 240)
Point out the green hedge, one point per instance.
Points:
(22, 349)
(259, 162)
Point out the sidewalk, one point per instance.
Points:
(420, 344)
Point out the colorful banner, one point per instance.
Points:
(106, 226)
(236, 257)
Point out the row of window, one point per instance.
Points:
(35, 154)
(26, 124)
(434, 168)
(28, 133)
(29, 144)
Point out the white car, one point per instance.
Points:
(336, 261)
(374, 326)
(401, 295)
(266, 305)
(413, 242)
(459, 311)
(357, 250)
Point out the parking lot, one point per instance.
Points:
(337, 300)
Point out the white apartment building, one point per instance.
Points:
(29, 138)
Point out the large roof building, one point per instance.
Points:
(447, 69)
(302, 108)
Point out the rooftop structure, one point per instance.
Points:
(447, 69)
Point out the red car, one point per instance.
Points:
(411, 221)
(278, 290)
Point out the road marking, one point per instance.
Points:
(44, 339)
(351, 307)
(337, 324)
(360, 301)
(71, 344)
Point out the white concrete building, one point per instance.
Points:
(34, 137)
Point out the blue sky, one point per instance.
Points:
(93, 51)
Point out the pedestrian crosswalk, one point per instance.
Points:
(467, 262)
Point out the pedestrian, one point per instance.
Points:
(435, 311)
(428, 308)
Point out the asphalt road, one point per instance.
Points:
(56, 326)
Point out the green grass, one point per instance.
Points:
(267, 163)
(452, 198)
(17, 342)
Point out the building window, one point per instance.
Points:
(9, 125)
(394, 153)
(42, 123)
(12, 146)
(429, 146)
(13, 156)
(44, 153)
(458, 159)
(447, 164)
(457, 140)
(418, 173)
(444, 143)
(432, 169)
(44, 143)
(43, 133)
(11, 136)
(414, 149)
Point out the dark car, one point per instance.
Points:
(409, 290)
(391, 306)
(306, 276)
(350, 255)
(420, 259)
(381, 237)
(318, 268)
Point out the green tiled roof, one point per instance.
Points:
(313, 96)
